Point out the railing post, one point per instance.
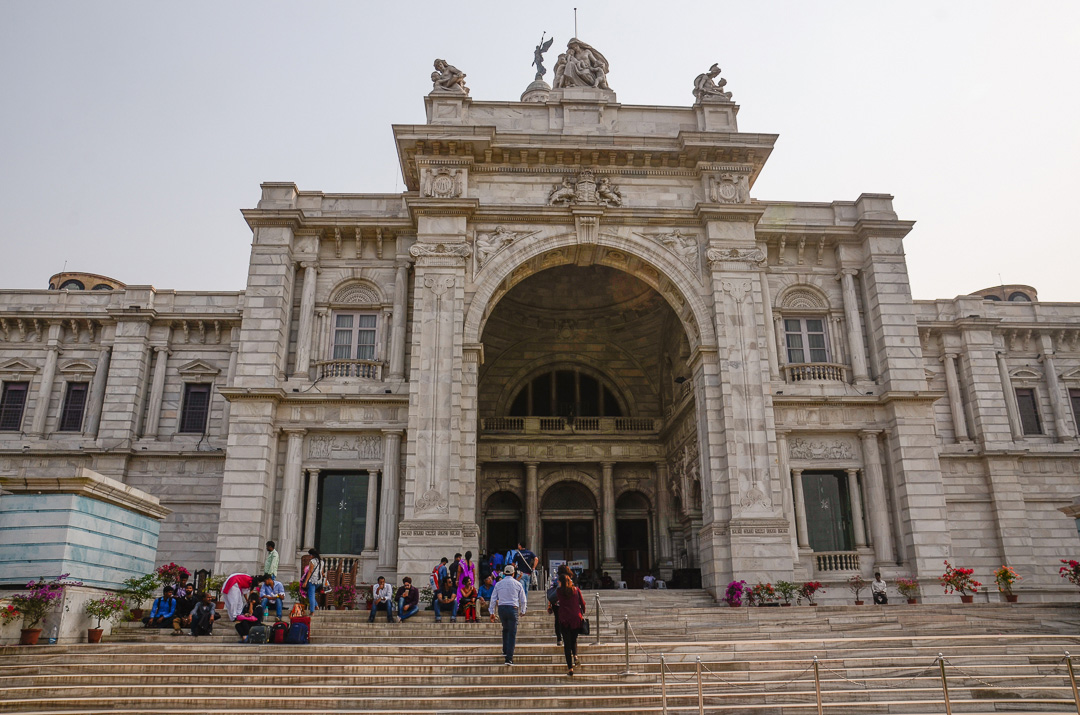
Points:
(944, 684)
(663, 683)
(599, 619)
(626, 641)
(700, 693)
(1072, 681)
(817, 685)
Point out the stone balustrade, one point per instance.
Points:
(580, 425)
(837, 560)
(815, 371)
(363, 369)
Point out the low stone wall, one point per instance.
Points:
(69, 618)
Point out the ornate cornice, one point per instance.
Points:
(735, 258)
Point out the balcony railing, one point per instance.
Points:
(363, 369)
(580, 425)
(837, 560)
(816, 372)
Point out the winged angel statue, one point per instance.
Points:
(538, 56)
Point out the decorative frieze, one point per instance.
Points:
(735, 258)
(801, 448)
(366, 447)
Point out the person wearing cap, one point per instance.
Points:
(510, 601)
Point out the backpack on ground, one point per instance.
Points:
(278, 632)
(298, 634)
(257, 634)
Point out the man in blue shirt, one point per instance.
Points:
(483, 595)
(524, 561)
(162, 613)
(272, 590)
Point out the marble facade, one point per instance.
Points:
(616, 244)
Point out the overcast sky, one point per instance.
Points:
(132, 133)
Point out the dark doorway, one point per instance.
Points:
(341, 516)
(828, 511)
(502, 535)
(632, 550)
(568, 541)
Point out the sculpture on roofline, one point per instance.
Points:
(538, 56)
(447, 78)
(581, 66)
(707, 90)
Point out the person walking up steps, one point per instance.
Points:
(510, 601)
(570, 606)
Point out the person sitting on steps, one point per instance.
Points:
(446, 599)
(408, 600)
(185, 604)
(252, 614)
(272, 591)
(161, 614)
(382, 596)
(203, 617)
(467, 600)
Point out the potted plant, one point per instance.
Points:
(214, 585)
(427, 595)
(734, 594)
(107, 608)
(959, 580)
(764, 594)
(908, 588)
(1070, 571)
(808, 590)
(1005, 577)
(171, 574)
(856, 584)
(8, 614)
(138, 589)
(40, 598)
(787, 591)
(345, 596)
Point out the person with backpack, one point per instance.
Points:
(524, 562)
(312, 580)
(204, 615)
(250, 616)
(439, 574)
(570, 609)
(161, 614)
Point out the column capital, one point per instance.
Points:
(847, 272)
(310, 264)
(531, 464)
(868, 434)
(294, 431)
(607, 465)
(950, 354)
(162, 349)
(852, 471)
(797, 471)
(313, 471)
(387, 431)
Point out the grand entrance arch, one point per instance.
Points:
(590, 353)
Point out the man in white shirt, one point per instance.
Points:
(382, 596)
(510, 601)
(878, 590)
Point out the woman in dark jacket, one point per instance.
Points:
(570, 605)
(252, 614)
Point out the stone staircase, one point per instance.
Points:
(998, 658)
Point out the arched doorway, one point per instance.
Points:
(502, 513)
(568, 527)
(633, 517)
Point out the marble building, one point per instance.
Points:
(577, 327)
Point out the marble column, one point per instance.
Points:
(370, 520)
(97, 393)
(770, 337)
(532, 507)
(781, 341)
(663, 515)
(157, 390)
(956, 403)
(800, 509)
(230, 375)
(44, 394)
(786, 487)
(388, 530)
(1064, 431)
(876, 503)
(307, 320)
(855, 493)
(289, 521)
(1011, 408)
(854, 325)
(609, 562)
(397, 331)
(312, 509)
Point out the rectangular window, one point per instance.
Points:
(1074, 399)
(196, 408)
(12, 402)
(1029, 410)
(805, 340)
(354, 336)
(71, 416)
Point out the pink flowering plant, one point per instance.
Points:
(959, 580)
(1070, 571)
(733, 596)
(345, 595)
(857, 584)
(40, 599)
(908, 586)
(171, 573)
(108, 608)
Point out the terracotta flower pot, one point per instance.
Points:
(29, 636)
(858, 603)
(913, 601)
(219, 605)
(967, 599)
(1010, 597)
(136, 613)
(93, 635)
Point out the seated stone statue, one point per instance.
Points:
(581, 66)
(707, 90)
(447, 78)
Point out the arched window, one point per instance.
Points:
(632, 501)
(568, 496)
(102, 286)
(72, 285)
(1019, 297)
(805, 313)
(562, 393)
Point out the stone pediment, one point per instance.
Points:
(1073, 374)
(1024, 373)
(78, 366)
(15, 365)
(198, 368)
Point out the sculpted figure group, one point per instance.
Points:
(448, 78)
(706, 89)
(581, 66)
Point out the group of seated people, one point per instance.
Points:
(182, 608)
(465, 599)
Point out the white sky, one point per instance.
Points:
(132, 133)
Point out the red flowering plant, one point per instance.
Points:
(1070, 571)
(763, 593)
(170, 574)
(734, 594)
(808, 590)
(959, 580)
(8, 614)
(40, 599)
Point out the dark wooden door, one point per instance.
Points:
(632, 550)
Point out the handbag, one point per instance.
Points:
(584, 631)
